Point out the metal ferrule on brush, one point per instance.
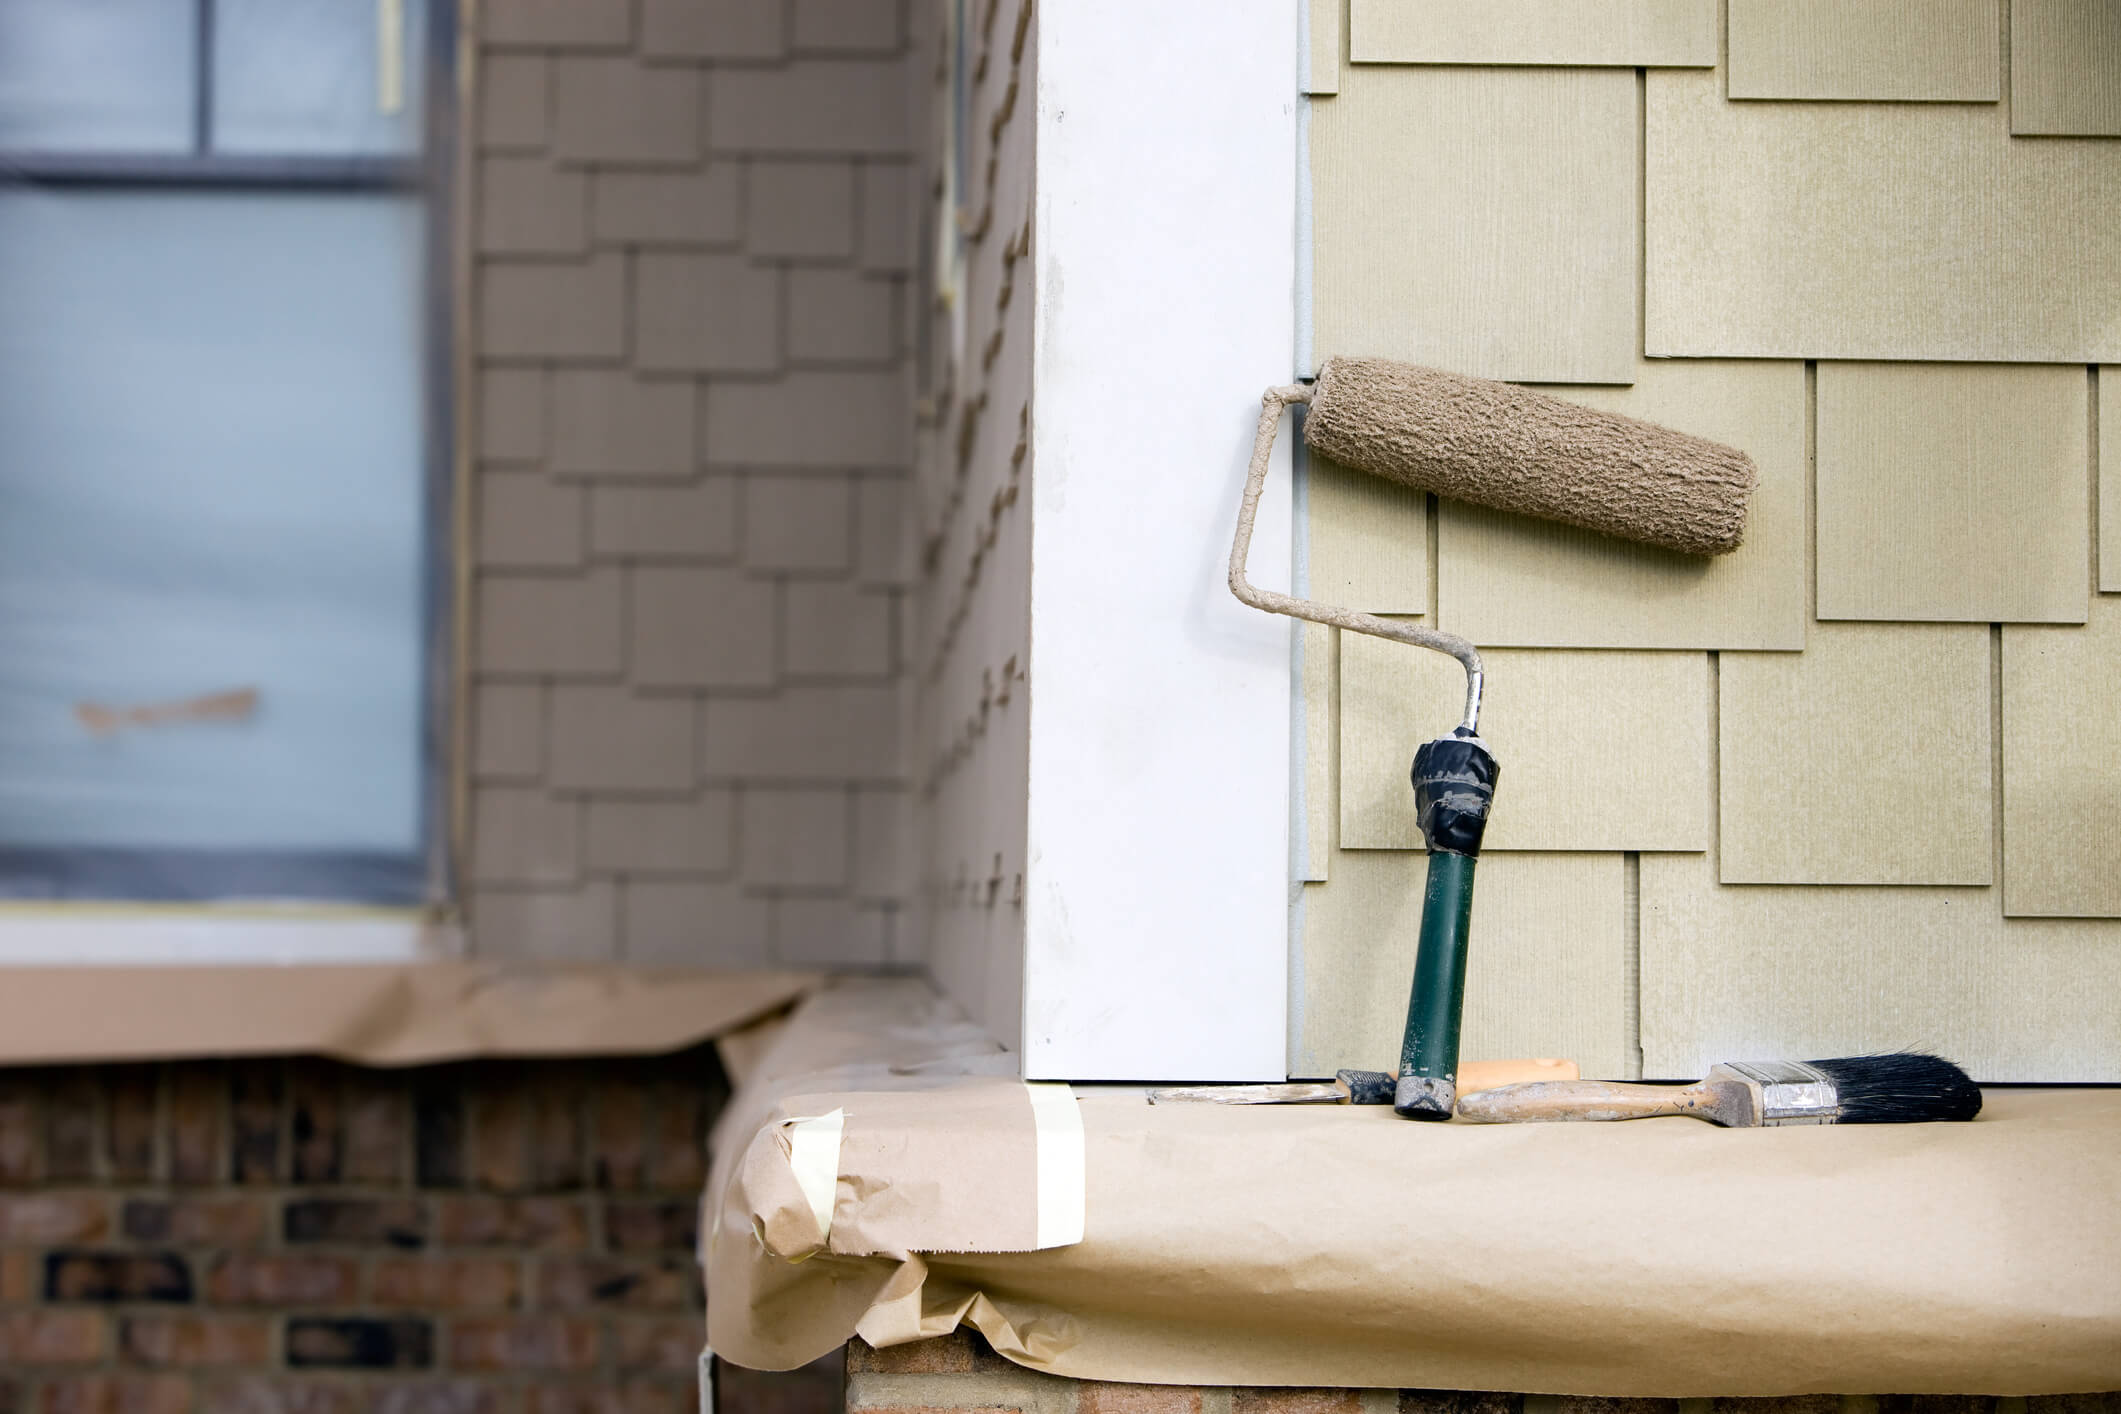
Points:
(1785, 1092)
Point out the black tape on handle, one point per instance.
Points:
(1454, 786)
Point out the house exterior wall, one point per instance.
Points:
(692, 225)
(303, 1237)
(972, 511)
(1853, 787)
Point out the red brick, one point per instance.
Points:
(683, 1397)
(815, 1388)
(662, 1345)
(256, 1095)
(116, 1394)
(548, 1224)
(681, 1122)
(500, 1141)
(18, 1277)
(198, 1097)
(578, 1399)
(1468, 1401)
(651, 1227)
(1296, 1401)
(277, 1396)
(527, 1342)
(585, 1283)
(54, 1217)
(195, 1340)
(131, 1152)
(378, 1130)
(433, 1397)
(360, 1343)
(196, 1222)
(356, 1222)
(447, 1283)
(116, 1276)
(18, 1132)
(1103, 1397)
(438, 1136)
(935, 1409)
(618, 1147)
(315, 1123)
(51, 1337)
(71, 1103)
(259, 1280)
(953, 1354)
(556, 1136)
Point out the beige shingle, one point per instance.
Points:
(560, 625)
(612, 738)
(696, 522)
(1599, 751)
(2062, 767)
(795, 838)
(801, 210)
(1480, 220)
(702, 627)
(706, 313)
(1864, 759)
(813, 105)
(521, 835)
(672, 923)
(618, 111)
(1955, 492)
(636, 837)
(606, 422)
(553, 309)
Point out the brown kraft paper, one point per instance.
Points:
(382, 1015)
(1309, 1245)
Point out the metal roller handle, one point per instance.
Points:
(1271, 407)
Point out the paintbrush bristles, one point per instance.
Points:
(1905, 1087)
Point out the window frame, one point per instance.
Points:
(241, 881)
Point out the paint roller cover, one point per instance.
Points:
(1508, 447)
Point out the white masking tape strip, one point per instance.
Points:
(1058, 1121)
(814, 1154)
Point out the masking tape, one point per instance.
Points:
(1058, 1121)
(814, 1154)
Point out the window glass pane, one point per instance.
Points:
(97, 75)
(318, 76)
(211, 521)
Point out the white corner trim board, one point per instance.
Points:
(1157, 893)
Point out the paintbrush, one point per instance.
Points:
(1900, 1088)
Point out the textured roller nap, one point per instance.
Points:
(1517, 450)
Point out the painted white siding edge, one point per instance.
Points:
(1157, 893)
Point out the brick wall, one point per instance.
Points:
(300, 1237)
(962, 1373)
(692, 234)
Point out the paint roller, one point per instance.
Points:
(1493, 444)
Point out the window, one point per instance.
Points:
(224, 448)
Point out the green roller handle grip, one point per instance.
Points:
(1428, 1055)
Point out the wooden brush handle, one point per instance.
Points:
(1553, 1100)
